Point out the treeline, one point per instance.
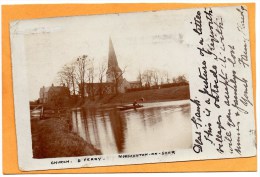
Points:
(75, 74)
(154, 77)
(81, 71)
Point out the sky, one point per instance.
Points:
(141, 41)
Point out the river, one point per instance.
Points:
(154, 127)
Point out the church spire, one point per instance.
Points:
(112, 62)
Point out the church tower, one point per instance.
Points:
(113, 70)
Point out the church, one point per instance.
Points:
(115, 81)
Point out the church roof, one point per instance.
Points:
(112, 59)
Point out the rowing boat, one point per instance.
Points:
(123, 108)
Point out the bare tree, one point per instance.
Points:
(63, 78)
(72, 72)
(140, 78)
(90, 77)
(155, 77)
(60, 79)
(81, 69)
(67, 77)
(69, 71)
(167, 77)
(147, 77)
(164, 77)
(174, 80)
(101, 75)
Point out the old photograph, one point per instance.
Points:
(109, 87)
(133, 88)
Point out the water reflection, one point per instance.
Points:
(155, 127)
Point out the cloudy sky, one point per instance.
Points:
(141, 41)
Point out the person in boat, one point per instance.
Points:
(135, 103)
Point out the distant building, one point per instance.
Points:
(55, 95)
(44, 94)
(114, 76)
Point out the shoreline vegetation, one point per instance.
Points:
(53, 137)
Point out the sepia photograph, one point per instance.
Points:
(101, 87)
(133, 88)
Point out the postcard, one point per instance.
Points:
(133, 88)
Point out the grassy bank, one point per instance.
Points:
(173, 93)
(52, 138)
(155, 95)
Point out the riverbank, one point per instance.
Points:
(52, 138)
(154, 95)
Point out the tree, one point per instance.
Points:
(67, 77)
(101, 75)
(164, 77)
(81, 69)
(91, 76)
(182, 79)
(61, 80)
(69, 71)
(174, 80)
(147, 77)
(168, 78)
(140, 78)
(155, 77)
